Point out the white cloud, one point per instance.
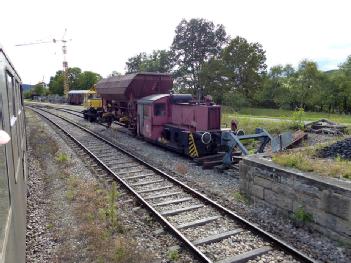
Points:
(106, 33)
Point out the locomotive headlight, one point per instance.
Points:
(206, 138)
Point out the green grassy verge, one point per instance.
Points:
(286, 114)
(306, 161)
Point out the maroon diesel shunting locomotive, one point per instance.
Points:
(144, 103)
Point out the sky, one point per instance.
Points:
(103, 34)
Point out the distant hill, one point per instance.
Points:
(331, 71)
(27, 87)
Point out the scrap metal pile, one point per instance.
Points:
(326, 127)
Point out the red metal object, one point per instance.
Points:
(134, 86)
(122, 92)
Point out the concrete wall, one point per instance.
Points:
(327, 199)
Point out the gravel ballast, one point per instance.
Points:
(222, 188)
(52, 224)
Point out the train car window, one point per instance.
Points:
(4, 186)
(146, 111)
(9, 82)
(160, 109)
(21, 94)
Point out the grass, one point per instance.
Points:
(251, 118)
(173, 255)
(286, 114)
(306, 161)
(106, 238)
(62, 157)
(240, 197)
(300, 215)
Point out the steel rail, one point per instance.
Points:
(179, 235)
(269, 237)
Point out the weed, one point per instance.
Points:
(111, 210)
(50, 226)
(306, 161)
(295, 160)
(240, 197)
(173, 255)
(297, 118)
(62, 157)
(70, 195)
(300, 215)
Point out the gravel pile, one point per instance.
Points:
(340, 149)
(221, 188)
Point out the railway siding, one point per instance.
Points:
(320, 202)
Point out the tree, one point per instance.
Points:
(39, 89)
(245, 66)
(196, 42)
(133, 63)
(87, 79)
(158, 61)
(213, 80)
(56, 83)
(114, 73)
(77, 80)
(273, 94)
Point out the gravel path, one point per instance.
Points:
(223, 187)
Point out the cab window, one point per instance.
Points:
(160, 109)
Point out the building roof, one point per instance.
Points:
(78, 92)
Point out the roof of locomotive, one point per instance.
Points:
(150, 99)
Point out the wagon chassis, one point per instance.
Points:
(274, 242)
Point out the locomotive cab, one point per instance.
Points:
(179, 123)
(153, 114)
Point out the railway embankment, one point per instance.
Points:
(319, 202)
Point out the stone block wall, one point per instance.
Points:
(327, 199)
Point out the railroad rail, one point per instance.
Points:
(187, 213)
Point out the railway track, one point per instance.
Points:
(212, 232)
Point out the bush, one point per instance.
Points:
(297, 119)
(235, 100)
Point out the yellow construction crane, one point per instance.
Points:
(64, 41)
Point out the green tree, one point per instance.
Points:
(213, 80)
(56, 83)
(245, 66)
(133, 64)
(273, 94)
(77, 80)
(158, 61)
(39, 89)
(196, 42)
(87, 79)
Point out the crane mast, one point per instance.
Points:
(65, 69)
(65, 63)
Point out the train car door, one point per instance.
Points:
(13, 123)
(140, 122)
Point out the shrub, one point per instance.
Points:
(300, 215)
(62, 157)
